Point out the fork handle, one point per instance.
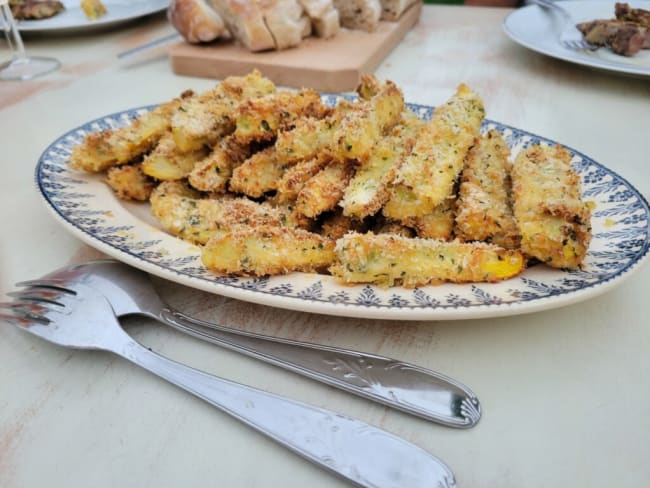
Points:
(359, 452)
(400, 385)
(550, 4)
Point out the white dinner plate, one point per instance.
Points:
(539, 29)
(87, 207)
(72, 19)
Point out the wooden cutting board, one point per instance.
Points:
(332, 65)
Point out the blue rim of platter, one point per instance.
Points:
(620, 221)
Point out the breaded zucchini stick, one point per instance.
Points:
(368, 87)
(324, 190)
(267, 250)
(202, 120)
(386, 259)
(484, 212)
(553, 221)
(308, 139)
(260, 119)
(182, 212)
(428, 174)
(213, 173)
(336, 225)
(385, 226)
(439, 224)
(111, 147)
(258, 174)
(295, 177)
(361, 128)
(167, 163)
(369, 188)
(130, 183)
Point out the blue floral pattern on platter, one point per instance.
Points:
(86, 206)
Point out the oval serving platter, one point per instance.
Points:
(87, 207)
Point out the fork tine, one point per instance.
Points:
(14, 320)
(47, 283)
(27, 310)
(48, 295)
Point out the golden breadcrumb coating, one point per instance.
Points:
(387, 259)
(260, 119)
(130, 183)
(267, 250)
(204, 119)
(429, 173)
(369, 188)
(484, 211)
(554, 223)
(182, 212)
(167, 163)
(324, 190)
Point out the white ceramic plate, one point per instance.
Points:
(88, 208)
(72, 19)
(538, 29)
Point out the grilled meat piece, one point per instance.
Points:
(35, 10)
(637, 15)
(622, 37)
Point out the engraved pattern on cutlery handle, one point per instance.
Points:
(365, 455)
(403, 386)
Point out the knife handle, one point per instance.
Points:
(403, 386)
(359, 452)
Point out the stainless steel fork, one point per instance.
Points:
(359, 452)
(397, 384)
(570, 37)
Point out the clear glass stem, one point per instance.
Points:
(12, 35)
(21, 66)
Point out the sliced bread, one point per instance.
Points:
(359, 14)
(324, 17)
(245, 22)
(283, 18)
(393, 9)
(196, 20)
(328, 25)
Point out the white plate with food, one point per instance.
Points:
(538, 29)
(88, 208)
(72, 18)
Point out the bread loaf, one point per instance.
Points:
(328, 25)
(359, 14)
(196, 20)
(392, 10)
(245, 21)
(283, 18)
(324, 17)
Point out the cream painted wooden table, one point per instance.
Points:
(565, 392)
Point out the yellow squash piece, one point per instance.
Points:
(111, 147)
(260, 119)
(484, 212)
(385, 260)
(324, 190)
(167, 163)
(182, 212)
(267, 250)
(363, 127)
(554, 223)
(203, 119)
(429, 173)
(130, 183)
(369, 188)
